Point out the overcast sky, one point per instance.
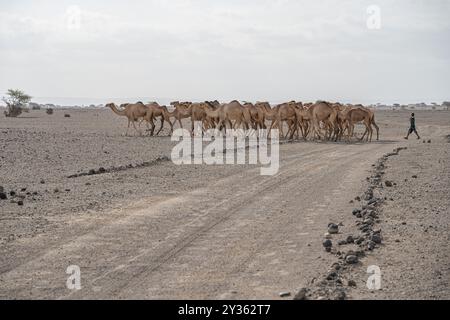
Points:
(245, 49)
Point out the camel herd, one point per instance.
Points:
(319, 120)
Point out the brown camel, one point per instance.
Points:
(133, 112)
(324, 112)
(257, 115)
(356, 115)
(372, 121)
(181, 111)
(285, 112)
(228, 113)
(154, 110)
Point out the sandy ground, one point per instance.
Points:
(219, 232)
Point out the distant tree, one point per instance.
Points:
(446, 104)
(15, 102)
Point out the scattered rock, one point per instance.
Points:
(91, 172)
(388, 183)
(356, 211)
(332, 276)
(301, 294)
(414, 177)
(42, 181)
(327, 243)
(351, 259)
(333, 228)
(351, 283)
(3, 196)
(66, 115)
(350, 239)
(56, 190)
(12, 193)
(342, 242)
(23, 189)
(376, 237)
(101, 170)
(370, 245)
(429, 141)
(20, 203)
(284, 294)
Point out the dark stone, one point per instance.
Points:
(23, 189)
(333, 228)
(332, 276)
(42, 181)
(91, 172)
(388, 183)
(3, 196)
(376, 237)
(342, 242)
(20, 203)
(350, 239)
(327, 243)
(101, 170)
(351, 283)
(370, 245)
(351, 259)
(414, 177)
(356, 211)
(12, 193)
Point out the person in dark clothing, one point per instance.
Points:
(412, 127)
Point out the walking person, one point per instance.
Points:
(412, 127)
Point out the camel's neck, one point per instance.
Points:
(117, 111)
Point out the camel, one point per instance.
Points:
(181, 111)
(229, 112)
(356, 115)
(154, 110)
(284, 112)
(257, 115)
(372, 121)
(133, 112)
(323, 111)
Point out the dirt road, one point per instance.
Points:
(242, 236)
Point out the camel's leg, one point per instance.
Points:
(171, 126)
(128, 127)
(152, 124)
(134, 126)
(270, 128)
(376, 128)
(162, 125)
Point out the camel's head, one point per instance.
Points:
(109, 105)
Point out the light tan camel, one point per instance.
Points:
(257, 115)
(227, 113)
(154, 110)
(372, 121)
(182, 111)
(133, 112)
(285, 112)
(356, 115)
(323, 111)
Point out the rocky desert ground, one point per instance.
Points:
(77, 192)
